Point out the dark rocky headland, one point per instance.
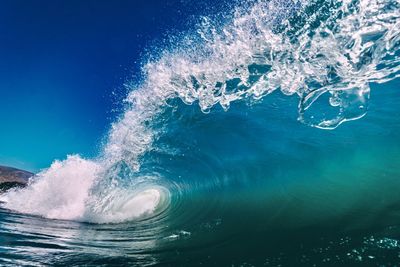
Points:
(11, 177)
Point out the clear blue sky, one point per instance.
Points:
(63, 65)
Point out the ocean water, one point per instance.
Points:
(267, 136)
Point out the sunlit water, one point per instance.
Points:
(233, 151)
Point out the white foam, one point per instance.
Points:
(65, 191)
(59, 192)
(126, 205)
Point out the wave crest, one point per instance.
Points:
(298, 47)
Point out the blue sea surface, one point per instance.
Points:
(267, 137)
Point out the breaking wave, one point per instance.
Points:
(325, 52)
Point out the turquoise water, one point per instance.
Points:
(248, 143)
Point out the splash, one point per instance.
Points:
(309, 49)
(63, 196)
(326, 52)
(66, 191)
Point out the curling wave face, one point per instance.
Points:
(326, 52)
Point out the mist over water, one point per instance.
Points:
(233, 137)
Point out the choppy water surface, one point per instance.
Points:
(233, 151)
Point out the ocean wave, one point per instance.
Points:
(325, 52)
